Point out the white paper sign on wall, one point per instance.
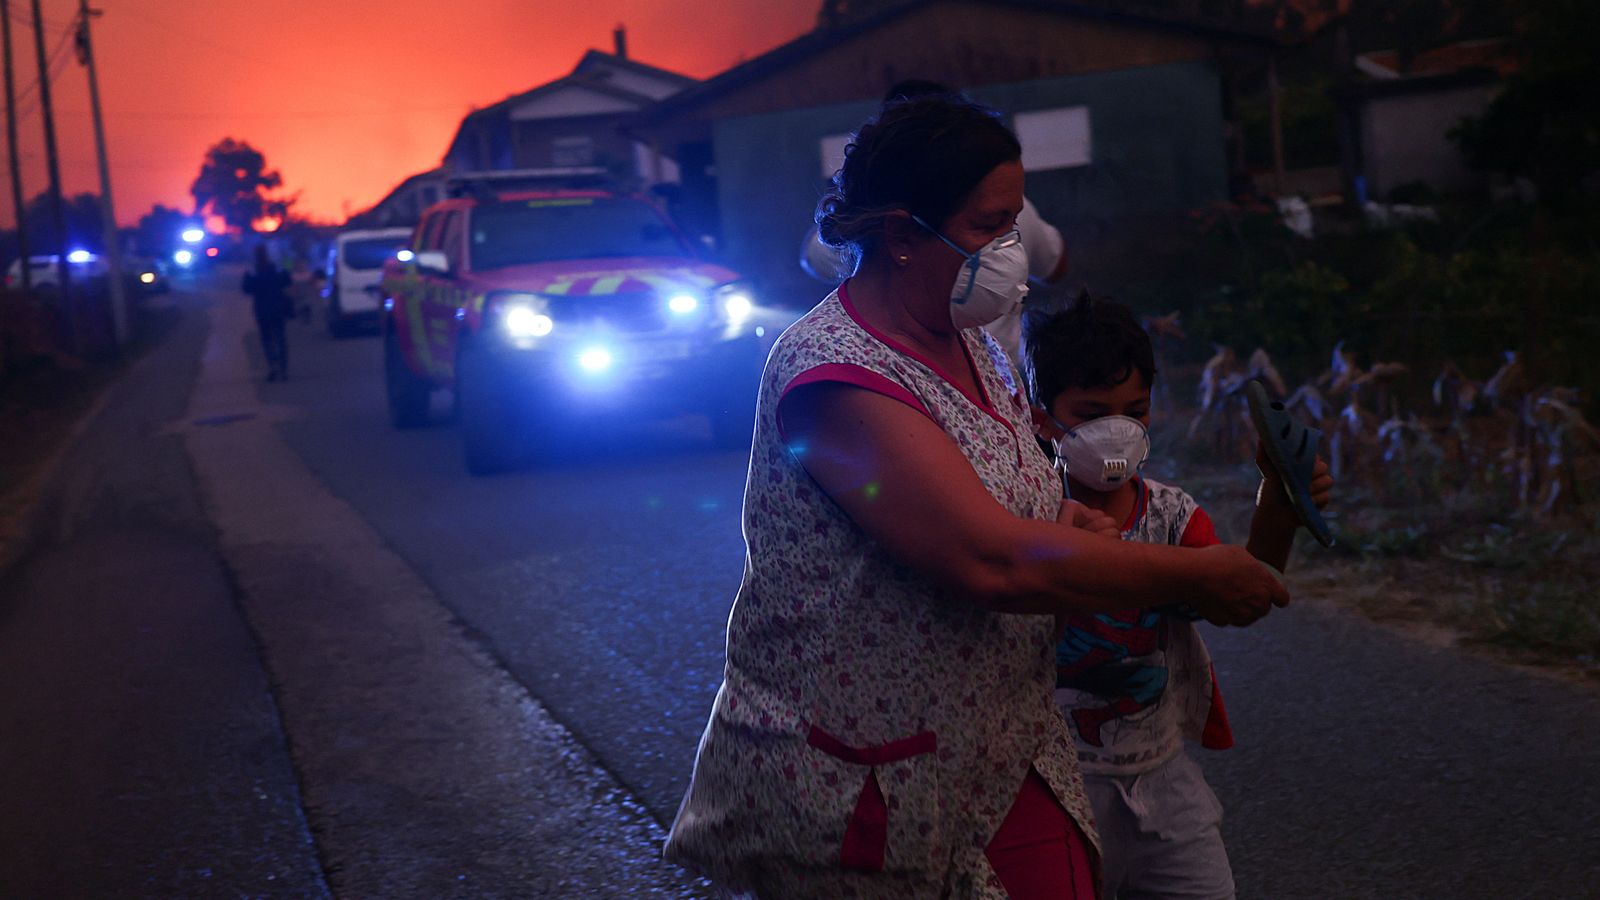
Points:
(1055, 138)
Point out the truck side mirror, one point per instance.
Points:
(433, 262)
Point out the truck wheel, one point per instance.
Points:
(408, 394)
(491, 427)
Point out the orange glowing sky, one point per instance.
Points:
(345, 97)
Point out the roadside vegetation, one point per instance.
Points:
(1448, 360)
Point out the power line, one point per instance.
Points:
(56, 63)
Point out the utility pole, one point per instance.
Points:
(48, 113)
(108, 213)
(26, 266)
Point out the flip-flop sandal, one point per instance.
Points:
(1292, 450)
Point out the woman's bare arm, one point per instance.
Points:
(907, 484)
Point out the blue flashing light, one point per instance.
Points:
(79, 257)
(183, 257)
(193, 235)
(405, 256)
(683, 304)
(595, 360)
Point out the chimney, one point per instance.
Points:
(619, 36)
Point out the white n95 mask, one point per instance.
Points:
(1104, 453)
(992, 282)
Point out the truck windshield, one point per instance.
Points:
(372, 252)
(518, 232)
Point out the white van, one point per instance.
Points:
(45, 271)
(355, 265)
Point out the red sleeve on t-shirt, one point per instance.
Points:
(1199, 532)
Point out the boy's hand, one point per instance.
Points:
(1236, 589)
(1077, 515)
(1272, 493)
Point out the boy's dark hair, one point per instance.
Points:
(1089, 344)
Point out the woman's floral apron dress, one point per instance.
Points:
(872, 730)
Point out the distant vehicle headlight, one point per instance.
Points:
(405, 256)
(183, 257)
(147, 278)
(683, 304)
(193, 235)
(736, 302)
(79, 256)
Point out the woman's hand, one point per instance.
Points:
(1094, 521)
(1234, 588)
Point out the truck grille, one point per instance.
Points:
(630, 313)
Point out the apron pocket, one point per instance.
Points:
(894, 825)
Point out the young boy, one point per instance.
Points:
(1134, 685)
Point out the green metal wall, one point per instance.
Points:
(1158, 146)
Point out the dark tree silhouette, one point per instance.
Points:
(84, 228)
(234, 183)
(158, 229)
(1545, 124)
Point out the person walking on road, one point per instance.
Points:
(268, 287)
(886, 725)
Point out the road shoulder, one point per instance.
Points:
(427, 770)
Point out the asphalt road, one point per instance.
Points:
(326, 697)
(1367, 765)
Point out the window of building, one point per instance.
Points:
(1055, 138)
(831, 149)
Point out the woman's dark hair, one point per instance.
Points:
(1090, 344)
(263, 258)
(912, 88)
(923, 154)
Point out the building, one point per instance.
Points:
(404, 204)
(572, 122)
(1119, 115)
(570, 125)
(1403, 114)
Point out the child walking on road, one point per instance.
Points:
(1133, 685)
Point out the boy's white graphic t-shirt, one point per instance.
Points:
(1134, 684)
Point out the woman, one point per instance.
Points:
(886, 725)
(268, 287)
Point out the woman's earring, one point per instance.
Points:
(904, 259)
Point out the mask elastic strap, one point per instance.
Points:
(972, 262)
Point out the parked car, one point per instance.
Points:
(45, 271)
(149, 274)
(539, 307)
(352, 275)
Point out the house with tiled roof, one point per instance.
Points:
(571, 122)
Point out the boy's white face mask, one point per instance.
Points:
(991, 283)
(1102, 454)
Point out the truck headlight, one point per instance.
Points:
(522, 317)
(523, 322)
(736, 302)
(683, 304)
